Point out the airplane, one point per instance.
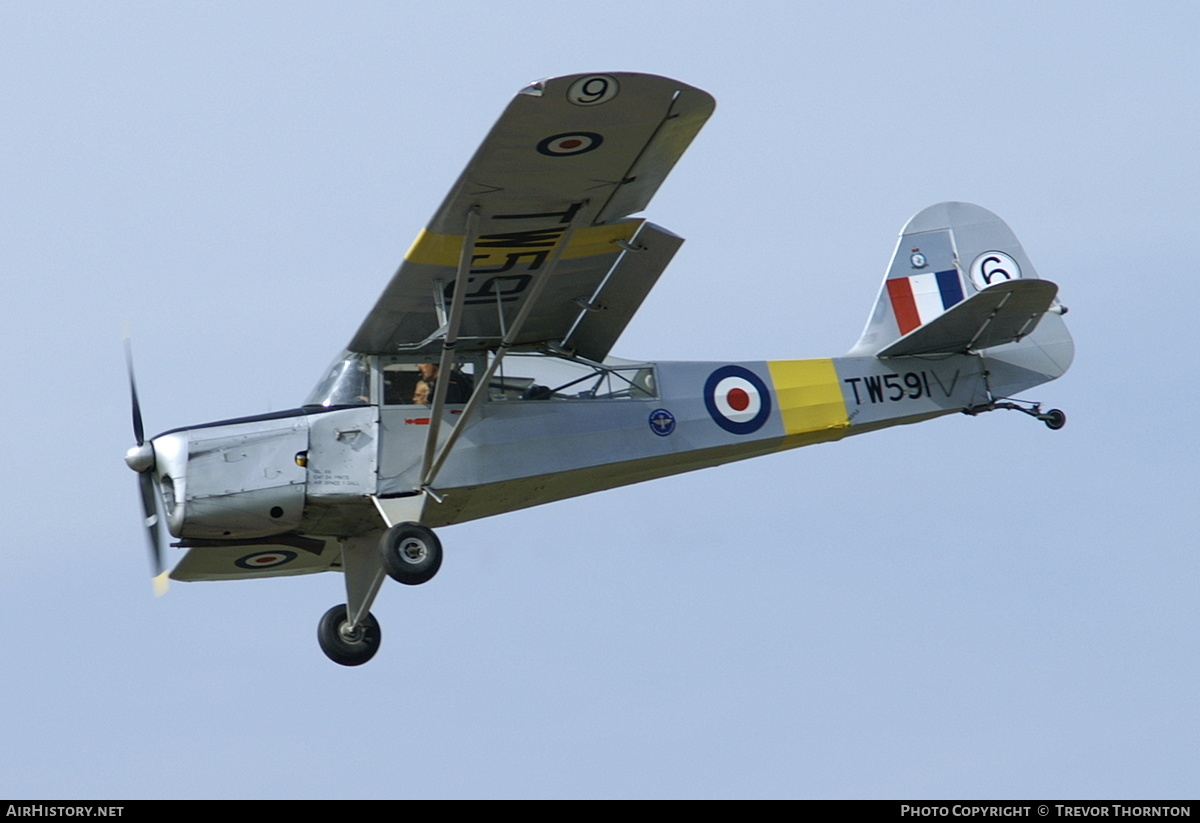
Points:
(482, 382)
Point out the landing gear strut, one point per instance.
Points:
(408, 552)
(1054, 419)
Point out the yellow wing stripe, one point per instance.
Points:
(810, 400)
(435, 249)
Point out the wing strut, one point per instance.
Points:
(446, 362)
(481, 383)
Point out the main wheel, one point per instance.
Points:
(1054, 419)
(344, 644)
(412, 554)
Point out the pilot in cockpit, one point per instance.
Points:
(458, 387)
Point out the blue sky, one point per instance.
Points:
(972, 607)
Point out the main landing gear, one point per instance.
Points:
(1054, 419)
(346, 643)
(409, 553)
(412, 554)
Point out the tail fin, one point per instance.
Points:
(959, 281)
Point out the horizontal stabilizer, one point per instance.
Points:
(1003, 313)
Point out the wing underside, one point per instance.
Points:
(266, 557)
(548, 195)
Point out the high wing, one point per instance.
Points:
(547, 197)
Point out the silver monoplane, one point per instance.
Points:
(481, 381)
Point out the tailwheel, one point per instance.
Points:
(346, 644)
(1054, 419)
(412, 554)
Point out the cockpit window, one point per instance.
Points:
(542, 377)
(347, 382)
(410, 383)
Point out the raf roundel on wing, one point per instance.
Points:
(570, 143)
(265, 560)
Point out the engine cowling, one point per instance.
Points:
(233, 480)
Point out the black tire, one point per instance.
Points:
(348, 651)
(412, 554)
(1054, 419)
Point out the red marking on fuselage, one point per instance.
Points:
(738, 400)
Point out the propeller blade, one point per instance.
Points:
(139, 432)
(144, 465)
(150, 511)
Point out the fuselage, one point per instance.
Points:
(314, 470)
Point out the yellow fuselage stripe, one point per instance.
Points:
(810, 400)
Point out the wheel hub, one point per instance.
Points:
(413, 551)
(350, 633)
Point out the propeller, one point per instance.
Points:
(141, 459)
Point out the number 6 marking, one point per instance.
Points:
(993, 267)
(593, 90)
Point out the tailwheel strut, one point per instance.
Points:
(1053, 418)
